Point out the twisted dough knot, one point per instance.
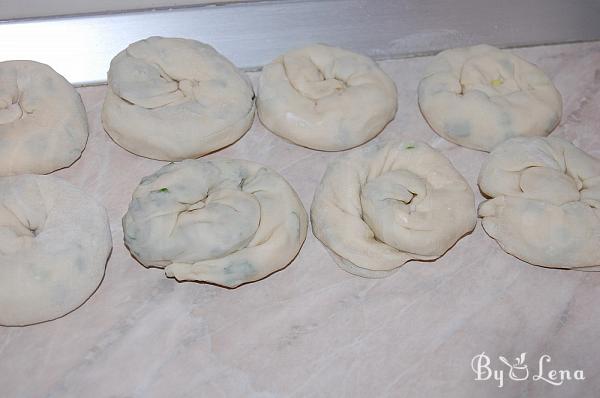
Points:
(226, 222)
(545, 206)
(43, 124)
(54, 244)
(480, 96)
(172, 99)
(387, 203)
(325, 98)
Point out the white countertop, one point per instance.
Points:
(313, 330)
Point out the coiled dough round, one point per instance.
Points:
(54, 244)
(325, 98)
(382, 205)
(222, 221)
(43, 124)
(479, 96)
(173, 99)
(545, 202)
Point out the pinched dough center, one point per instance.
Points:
(227, 220)
(147, 85)
(311, 79)
(16, 232)
(490, 75)
(395, 199)
(10, 108)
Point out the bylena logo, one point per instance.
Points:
(518, 370)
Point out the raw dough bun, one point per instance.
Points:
(222, 221)
(43, 124)
(380, 206)
(325, 98)
(480, 96)
(545, 206)
(54, 244)
(172, 99)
